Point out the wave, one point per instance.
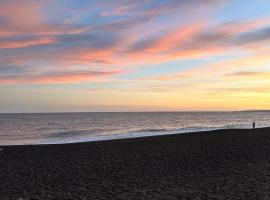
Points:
(101, 134)
(151, 130)
(179, 130)
(77, 133)
(64, 134)
(73, 136)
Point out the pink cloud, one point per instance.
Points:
(27, 38)
(19, 15)
(59, 77)
(199, 40)
(13, 44)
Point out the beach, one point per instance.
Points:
(222, 164)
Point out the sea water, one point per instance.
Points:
(53, 128)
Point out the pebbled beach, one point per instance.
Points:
(222, 164)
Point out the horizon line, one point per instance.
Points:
(194, 111)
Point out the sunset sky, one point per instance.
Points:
(126, 55)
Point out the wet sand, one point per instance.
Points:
(224, 164)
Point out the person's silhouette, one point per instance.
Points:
(254, 124)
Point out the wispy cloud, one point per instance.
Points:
(56, 77)
(13, 42)
(114, 37)
(201, 39)
(248, 74)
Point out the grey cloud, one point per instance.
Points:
(6, 69)
(253, 37)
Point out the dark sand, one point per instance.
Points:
(225, 164)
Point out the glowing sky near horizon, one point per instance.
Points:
(125, 55)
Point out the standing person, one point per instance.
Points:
(254, 124)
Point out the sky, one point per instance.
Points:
(125, 55)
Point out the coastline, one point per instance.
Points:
(127, 136)
(218, 164)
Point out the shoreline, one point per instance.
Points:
(219, 164)
(126, 137)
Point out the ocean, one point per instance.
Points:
(55, 128)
